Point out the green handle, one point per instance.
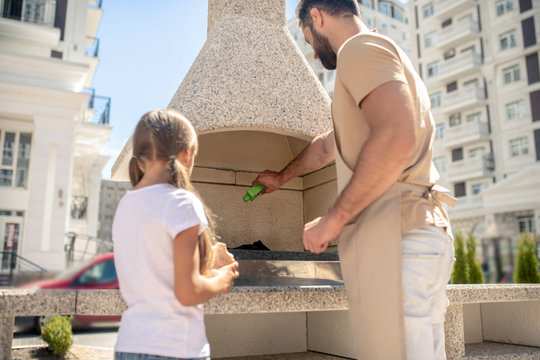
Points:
(252, 192)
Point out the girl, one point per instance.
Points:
(162, 240)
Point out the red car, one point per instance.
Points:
(97, 273)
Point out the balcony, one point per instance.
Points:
(463, 99)
(465, 133)
(467, 203)
(470, 168)
(98, 109)
(445, 9)
(460, 66)
(457, 33)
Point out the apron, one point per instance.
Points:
(370, 254)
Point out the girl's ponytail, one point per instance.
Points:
(135, 173)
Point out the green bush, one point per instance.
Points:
(476, 276)
(527, 263)
(58, 334)
(466, 268)
(459, 276)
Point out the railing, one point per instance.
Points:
(442, 7)
(96, 4)
(463, 97)
(11, 261)
(98, 109)
(469, 168)
(83, 247)
(40, 12)
(467, 203)
(92, 50)
(460, 64)
(457, 31)
(475, 130)
(484, 307)
(79, 206)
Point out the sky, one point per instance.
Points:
(146, 49)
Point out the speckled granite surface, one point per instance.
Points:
(486, 293)
(495, 351)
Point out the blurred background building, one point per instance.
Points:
(53, 128)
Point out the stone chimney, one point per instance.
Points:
(255, 104)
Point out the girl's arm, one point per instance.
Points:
(190, 287)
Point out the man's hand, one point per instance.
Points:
(272, 180)
(319, 232)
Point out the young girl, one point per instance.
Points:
(162, 240)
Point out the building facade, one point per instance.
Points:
(479, 60)
(111, 193)
(389, 17)
(52, 128)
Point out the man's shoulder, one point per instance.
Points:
(366, 43)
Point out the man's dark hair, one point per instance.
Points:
(332, 7)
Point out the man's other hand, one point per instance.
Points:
(319, 232)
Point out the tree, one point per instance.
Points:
(527, 263)
(459, 276)
(475, 275)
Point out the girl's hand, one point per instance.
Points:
(225, 276)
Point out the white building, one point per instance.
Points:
(387, 16)
(479, 60)
(51, 132)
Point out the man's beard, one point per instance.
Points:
(324, 51)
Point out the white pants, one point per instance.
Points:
(428, 257)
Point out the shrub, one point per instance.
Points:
(476, 276)
(58, 334)
(459, 276)
(466, 268)
(527, 263)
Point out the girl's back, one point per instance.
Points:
(145, 225)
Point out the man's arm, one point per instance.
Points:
(317, 154)
(389, 112)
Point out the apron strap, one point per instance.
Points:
(436, 192)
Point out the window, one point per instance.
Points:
(519, 147)
(470, 83)
(455, 119)
(446, 23)
(15, 162)
(398, 15)
(476, 117)
(526, 223)
(504, 6)
(507, 40)
(476, 188)
(515, 110)
(435, 99)
(439, 131)
(384, 9)
(449, 54)
(511, 74)
(459, 189)
(108, 207)
(440, 163)
(430, 39)
(433, 69)
(428, 10)
(476, 152)
(451, 87)
(108, 217)
(457, 154)
(110, 196)
(101, 273)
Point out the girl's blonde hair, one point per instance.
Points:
(161, 135)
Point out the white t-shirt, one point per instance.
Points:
(145, 224)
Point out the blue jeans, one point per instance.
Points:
(136, 356)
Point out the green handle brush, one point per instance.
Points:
(252, 192)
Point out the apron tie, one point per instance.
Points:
(436, 192)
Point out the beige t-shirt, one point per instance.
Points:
(365, 62)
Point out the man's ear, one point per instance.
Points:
(316, 16)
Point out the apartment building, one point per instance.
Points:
(111, 193)
(389, 17)
(52, 127)
(479, 60)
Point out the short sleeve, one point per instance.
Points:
(184, 211)
(365, 63)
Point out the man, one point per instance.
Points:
(394, 243)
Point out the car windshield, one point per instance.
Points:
(73, 270)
